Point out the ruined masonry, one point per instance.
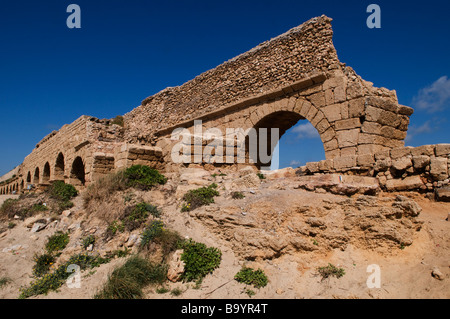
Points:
(295, 76)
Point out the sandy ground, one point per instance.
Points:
(404, 273)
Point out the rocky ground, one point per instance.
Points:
(284, 226)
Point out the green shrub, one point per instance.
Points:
(237, 195)
(118, 120)
(199, 260)
(57, 242)
(114, 227)
(88, 240)
(127, 281)
(42, 264)
(54, 280)
(331, 270)
(135, 216)
(248, 276)
(261, 175)
(200, 197)
(62, 191)
(4, 281)
(152, 231)
(11, 207)
(143, 177)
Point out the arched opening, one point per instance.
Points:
(283, 139)
(21, 186)
(59, 167)
(29, 177)
(46, 174)
(77, 173)
(36, 176)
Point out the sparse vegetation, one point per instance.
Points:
(255, 278)
(118, 120)
(199, 260)
(143, 177)
(88, 240)
(199, 197)
(261, 175)
(237, 195)
(331, 271)
(63, 193)
(127, 281)
(155, 229)
(176, 292)
(54, 280)
(57, 242)
(42, 264)
(4, 281)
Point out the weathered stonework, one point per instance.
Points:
(295, 76)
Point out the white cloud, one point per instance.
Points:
(294, 163)
(418, 130)
(305, 131)
(435, 97)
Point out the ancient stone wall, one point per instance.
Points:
(295, 76)
(423, 168)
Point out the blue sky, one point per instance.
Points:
(126, 51)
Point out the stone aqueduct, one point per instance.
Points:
(294, 76)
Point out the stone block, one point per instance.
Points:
(326, 165)
(332, 112)
(344, 162)
(365, 160)
(347, 138)
(347, 124)
(427, 150)
(439, 168)
(420, 161)
(400, 152)
(409, 183)
(313, 167)
(443, 150)
(402, 163)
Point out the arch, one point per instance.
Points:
(29, 177)
(260, 143)
(36, 176)
(78, 173)
(59, 167)
(46, 173)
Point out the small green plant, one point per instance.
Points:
(57, 242)
(256, 278)
(42, 264)
(250, 292)
(127, 281)
(331, 270)
(88, 240)
(199, 260)
(63, 193)
(315, 242)
(237, 195)
(143, 177)
(114, 227)
(39, 208)
(11, 225)
(152, 231)
(261, 175)
(176, 292)
(162, 290)
(199, 197)
(118, 120)
(4, 281)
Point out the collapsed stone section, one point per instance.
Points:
(424, 168)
